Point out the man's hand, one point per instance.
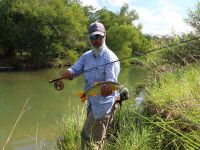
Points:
(68, 75)
(106, 90)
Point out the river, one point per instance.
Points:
(36, 129)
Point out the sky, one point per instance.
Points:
(158, 17)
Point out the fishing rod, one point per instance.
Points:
(172, 45)
(137, 54)
(55, 80)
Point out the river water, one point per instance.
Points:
(36, 129)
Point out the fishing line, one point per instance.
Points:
(173, 131)
(172, 45)
(137, 54)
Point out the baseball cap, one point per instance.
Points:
(96, 28)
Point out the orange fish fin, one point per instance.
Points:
(83, 97)
(80, 94)
(94, 94)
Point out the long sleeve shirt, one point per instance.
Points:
(101, 106)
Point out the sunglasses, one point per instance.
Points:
(96, 37)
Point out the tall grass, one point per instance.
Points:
(23, 110)
(127, 136)
(168, 120)
(178, 92)
(170, 117)
(173, 101)
(131, 133)
(69, 134)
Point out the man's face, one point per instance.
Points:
(96, 40)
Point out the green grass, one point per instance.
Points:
(168, 120)
(131, 133)
(173, 102)
(178, 93)
(69, 134)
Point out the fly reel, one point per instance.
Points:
(58, 85)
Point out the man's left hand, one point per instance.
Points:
(106, 90)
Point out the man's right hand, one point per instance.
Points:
(68, 75)
(106, 90)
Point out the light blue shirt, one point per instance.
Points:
(101, 106)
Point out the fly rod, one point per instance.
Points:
(138, 54)
(55, 80)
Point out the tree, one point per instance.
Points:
(6, 28)
(108, 18)
(121, 38)
(194, 18)
(125, 16)
(40, 30)
(188, 52)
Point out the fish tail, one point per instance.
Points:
(83, 97)
(94, 94)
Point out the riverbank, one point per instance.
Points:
(173, 105)
(169, 118)
(47, 106)
(22, 65)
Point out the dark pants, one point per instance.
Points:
(94, 130)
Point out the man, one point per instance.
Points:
(99, 108)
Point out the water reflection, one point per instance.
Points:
(31, 143)
(37, 127)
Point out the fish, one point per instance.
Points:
(96, 89)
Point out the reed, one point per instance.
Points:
(131, 134)
(69, 132)
(168, 119)
(173, 102)
(23, 110)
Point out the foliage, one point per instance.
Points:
(173, 103)
(172, 98)
(194, 18)
(109, 18)
(39, 31)
(129, 138)
(72, 56)
(128, 132)
(178, 49)
(175, 50)
(120, 39)
(69, 135)
(123, 37)
(169, 118)
(178, 92)
(36, 28)
(182, 53)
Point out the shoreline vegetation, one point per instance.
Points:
(37, 34)
(169, 117)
